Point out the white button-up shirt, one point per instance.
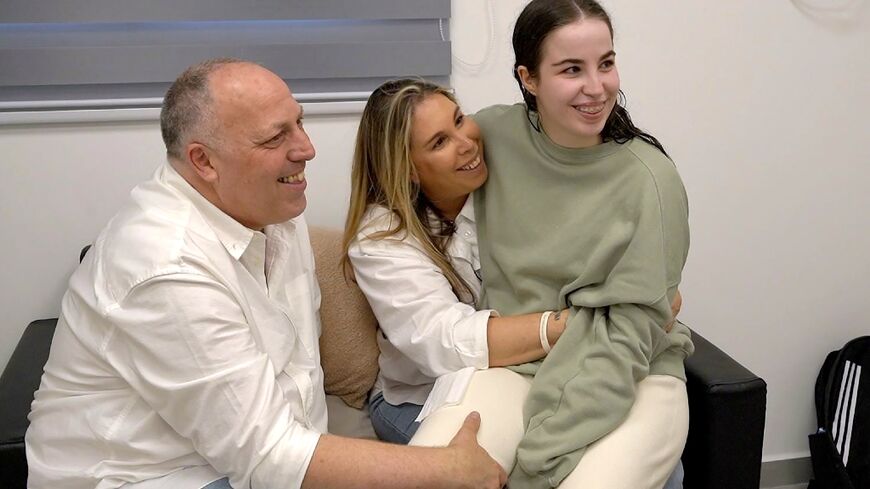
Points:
(426, 331)
(186, 350)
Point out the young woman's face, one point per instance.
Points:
(576, 84)
(447, 152)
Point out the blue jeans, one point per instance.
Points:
(675, 480)
(395, 424)
(219, 484)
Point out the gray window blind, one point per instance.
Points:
(125, 53)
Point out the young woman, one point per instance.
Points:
(584, 210)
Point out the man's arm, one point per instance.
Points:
(347, 463)
(183, 344)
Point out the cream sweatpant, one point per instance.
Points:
(639, 454)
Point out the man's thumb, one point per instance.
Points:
(471, 424)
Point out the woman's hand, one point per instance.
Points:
(675, 310)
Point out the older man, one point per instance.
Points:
(186, 354)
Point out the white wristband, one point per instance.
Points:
(542, 332)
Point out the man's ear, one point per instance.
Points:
(529, 82)
(200, 160)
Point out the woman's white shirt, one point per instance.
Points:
(426, 331)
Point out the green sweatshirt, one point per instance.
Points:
(604, 231)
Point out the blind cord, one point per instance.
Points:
(475, 68)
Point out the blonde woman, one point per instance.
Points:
(410, 240)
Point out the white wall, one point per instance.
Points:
(765, 111)
(761, 106)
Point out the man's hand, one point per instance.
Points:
(473, 467)
(675, 309)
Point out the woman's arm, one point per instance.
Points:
(421, 315)
(514, 340)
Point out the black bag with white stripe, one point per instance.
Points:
(841, 447)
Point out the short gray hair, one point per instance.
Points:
(188, 106)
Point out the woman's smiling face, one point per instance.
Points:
(447, 153)
(576, 83)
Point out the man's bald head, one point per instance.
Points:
(234, 132)
(188, 110)
(238, 92)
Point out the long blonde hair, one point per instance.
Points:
(382, 175)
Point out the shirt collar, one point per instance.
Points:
(232, 234)
(467, 211)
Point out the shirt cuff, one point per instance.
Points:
(287, 462)
(471, 339)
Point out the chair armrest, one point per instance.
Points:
(727, 405)
(19, 381)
